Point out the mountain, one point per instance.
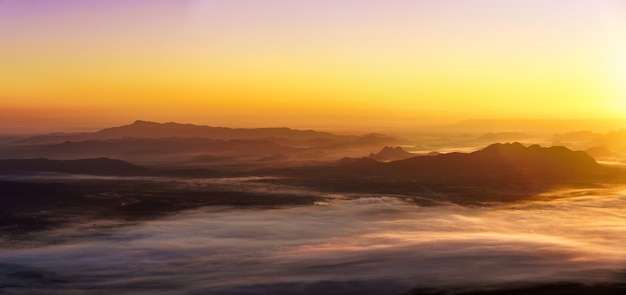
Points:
(601, 153)
(98, 166)
(613, 143)
(168, 143)
(391, 154)
(504, 162)
(145, 129)
(499, 172)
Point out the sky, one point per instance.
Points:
(79, 65)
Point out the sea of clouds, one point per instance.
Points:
(370, 245)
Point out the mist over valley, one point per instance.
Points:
(252, 212)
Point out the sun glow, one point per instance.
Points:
(618, 86)
(621, 81)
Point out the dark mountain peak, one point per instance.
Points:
(142, 122)
(504, 148)
(390, 153)
(517, 151)
(387, 149)
(536, 162)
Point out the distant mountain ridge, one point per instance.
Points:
(167, 143)
(145, 129)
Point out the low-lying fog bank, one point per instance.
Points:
(374, 245)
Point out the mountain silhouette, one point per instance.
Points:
(391, 154)
(600, 153)
(149, 143)
(497, 161)
(145, 129)
(498, 172)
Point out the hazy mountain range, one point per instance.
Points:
(174, 143)
(145, 129)
(497, 172)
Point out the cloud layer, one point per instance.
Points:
(373, 245)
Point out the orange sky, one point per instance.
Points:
(77, 65)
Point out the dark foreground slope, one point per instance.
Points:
(98, 166)
(32, 205)
(500, 172)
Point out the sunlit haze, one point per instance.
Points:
(80, 65)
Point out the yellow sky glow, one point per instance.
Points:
(292, 63)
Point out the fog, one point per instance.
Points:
(368, 245)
